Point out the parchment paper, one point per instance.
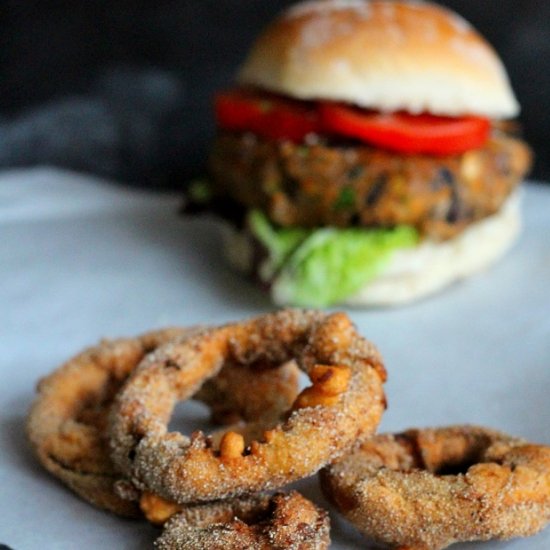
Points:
(81, 259)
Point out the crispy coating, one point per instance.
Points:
(427, 489)
(261, 522)
(328, 383)
(67, 422)
(184, 469)
(157, 510)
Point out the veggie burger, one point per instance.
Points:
(366, 156)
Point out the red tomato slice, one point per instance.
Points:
(268, 116)
(405, 133)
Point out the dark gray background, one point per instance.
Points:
(122, 88)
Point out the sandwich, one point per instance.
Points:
(367, 155)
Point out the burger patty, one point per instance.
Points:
(347, 184)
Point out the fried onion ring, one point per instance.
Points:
(427, 489)
(262, 522)
(343, 405)
(67, 422)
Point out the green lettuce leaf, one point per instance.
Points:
(279, 243)
(321, 267)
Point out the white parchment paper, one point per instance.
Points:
(81, 259)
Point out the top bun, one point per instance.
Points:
(384, 55)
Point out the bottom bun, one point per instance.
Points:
(432, 266)
(415, 273)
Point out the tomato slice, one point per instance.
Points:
(266, 115)
(406, 133)
(275, 117)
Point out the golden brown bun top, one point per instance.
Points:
(386, 55)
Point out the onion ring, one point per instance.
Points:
(278, 522)
(427, 489)
(67, 422)
(343, 405)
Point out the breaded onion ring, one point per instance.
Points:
(279, 522)
(67, 422)
(427, 489)
(344, 404)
